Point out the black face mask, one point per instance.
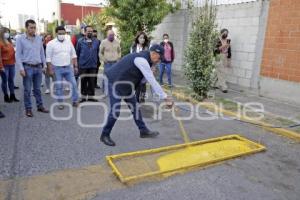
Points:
(89, 35)
(224, 36)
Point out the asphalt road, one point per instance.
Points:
(42, 158)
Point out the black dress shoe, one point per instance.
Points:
(92, 100)
(7, 99)
(42, 110)
(107, 141)
(148, 134)
(225, 91)
(97, 87)
(13, 98)
(82, 101)
(16, 87)
(1, 115)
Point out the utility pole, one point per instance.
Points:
(38, 16)
(59, 12)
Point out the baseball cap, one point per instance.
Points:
(158, 49)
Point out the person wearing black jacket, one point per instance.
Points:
(141, 43)
(222, 53)
(95, 36)
(167, 60)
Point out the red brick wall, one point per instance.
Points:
(281, 56)
(71, 12)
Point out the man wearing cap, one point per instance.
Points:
(122, 79)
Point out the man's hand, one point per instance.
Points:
(169, 102)
(50, 71)
(75, 70)
(22, 73)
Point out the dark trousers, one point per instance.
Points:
(87, 77)
(107, 66)
(96, 78)
(115, 106)
(140, 92)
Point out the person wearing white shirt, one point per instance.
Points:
(61, 58)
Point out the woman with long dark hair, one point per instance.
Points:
(141, 43)
(7, 63)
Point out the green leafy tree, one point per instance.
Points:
(132, 16)
(199, 57)
(52, 26)
(97, 20)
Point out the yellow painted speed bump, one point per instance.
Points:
(142, 164)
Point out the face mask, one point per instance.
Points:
(111, 38)
(141, 40)
(166, 40)
(89, 35)
(6, 35)
(224, 36)
(61, 37)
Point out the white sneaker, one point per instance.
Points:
(67, 89)
(47, 91)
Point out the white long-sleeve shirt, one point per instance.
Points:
(60, 53)
(143, 65)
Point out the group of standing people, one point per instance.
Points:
(60, 60)
(57, 58)
(65, 59)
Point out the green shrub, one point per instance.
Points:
(199, 57)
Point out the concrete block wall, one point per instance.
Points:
(176, 25)
(245, 22)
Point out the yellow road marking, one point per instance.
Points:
(69, 184)
(143, 164)
(279, 131)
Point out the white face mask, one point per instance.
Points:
(6, 35)
(166, 40)
(61, 37)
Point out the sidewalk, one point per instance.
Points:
(290, 113)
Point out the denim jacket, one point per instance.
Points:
(87, 53)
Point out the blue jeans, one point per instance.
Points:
(47, 80)
(8, 77)
(115, 105)
(168, 67)
(67, 73)
(33, 77)
(106, 67)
